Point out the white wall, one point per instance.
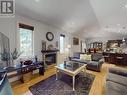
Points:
(77, 48)
(40, 34)
(10, 27)
(7, 27)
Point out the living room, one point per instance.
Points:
(63, 47)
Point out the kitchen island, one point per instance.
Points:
(115, 58)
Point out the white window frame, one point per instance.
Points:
(63, 44)
(18, 44)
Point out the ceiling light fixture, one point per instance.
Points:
(37, 0)
(123, 40)
(72, 23)
(126, 6)
(118, 24)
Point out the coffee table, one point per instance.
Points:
(70, 68)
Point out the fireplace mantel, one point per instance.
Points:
(49, 51)
(48, 54)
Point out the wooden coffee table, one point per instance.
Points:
(70, 68)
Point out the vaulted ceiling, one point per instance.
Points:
(88, 18)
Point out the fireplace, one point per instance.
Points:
(49, 57)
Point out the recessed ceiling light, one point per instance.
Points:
(72, 23)
(37, 0)
(126, 6)
(118, 24)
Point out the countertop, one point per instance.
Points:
(114, 53)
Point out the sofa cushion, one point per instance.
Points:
(93, 63)
(96, 56)
(76, 55)
(82, 56)
(118, 71)
(117, 79)
(85, 57)
(79, 60)
(113, 88)
(88, 57)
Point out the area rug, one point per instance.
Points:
(63, 86)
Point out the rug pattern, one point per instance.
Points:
(63, 86)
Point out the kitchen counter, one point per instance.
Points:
(115, 58)
(114, 53)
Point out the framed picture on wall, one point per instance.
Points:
(75, 41)
(57, 44)
(43, 45)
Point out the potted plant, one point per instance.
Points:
(15, 55)
(5, 56)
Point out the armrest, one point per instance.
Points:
(118, 71)
(100, 62)
(70, 58)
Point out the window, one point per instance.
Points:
(62, 43)
(26, 40)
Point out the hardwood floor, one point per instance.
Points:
(96, 89)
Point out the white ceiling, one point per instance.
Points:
(85, 17)
(111, 15)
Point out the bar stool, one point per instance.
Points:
(119, 60)
(106, 57)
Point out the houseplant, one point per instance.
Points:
(15, 55)
(5, 56)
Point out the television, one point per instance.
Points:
(4, 51)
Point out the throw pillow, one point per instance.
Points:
(85, 57)
(88, 57)
(82, 56)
